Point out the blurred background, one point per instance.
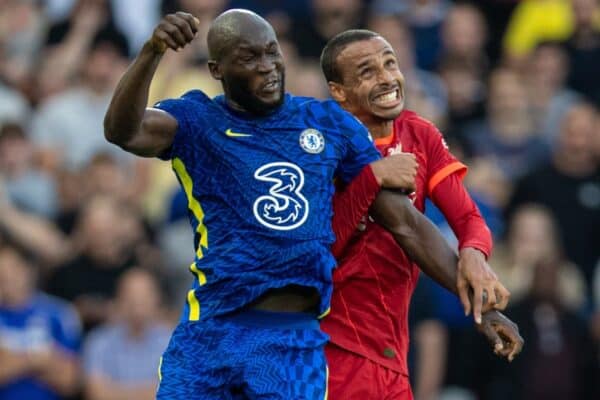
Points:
(95, 244)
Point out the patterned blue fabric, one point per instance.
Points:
(259, 193)
(230, 358)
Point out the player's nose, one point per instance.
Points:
(266, 64)
(386, 77)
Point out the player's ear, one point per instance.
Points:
(215, 70)
(337, 91)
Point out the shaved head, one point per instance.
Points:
(246, 58)
(231, 26)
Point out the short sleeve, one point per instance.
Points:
(187, 111)
(441, 162)
(359, 148)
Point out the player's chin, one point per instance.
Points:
(270, 100)
(387, 113)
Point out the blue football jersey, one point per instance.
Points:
(259, 193)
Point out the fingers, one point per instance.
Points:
(176, 30)
(166, 39)
(503, 296)
(477, 303)
(463, 294)
(183, 25)
(513, 340)
(494, 339)
(193, 22)
(398, 171)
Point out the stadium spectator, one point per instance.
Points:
(22, 28)
(466, 95)
(546, 72)
(464, 37)
(106, 252)
(569, 185)
(28, 187)
(536, 21)
(327, 18)
(67, 44)
(39, 336)
(68, 126)
(559, 360)
(583, 49)
(120, 358)
(507, 135)
(533, 238)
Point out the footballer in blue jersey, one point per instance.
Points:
(257, 167)
(269, 178)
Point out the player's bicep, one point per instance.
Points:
(155, 135)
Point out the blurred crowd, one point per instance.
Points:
(95, 244)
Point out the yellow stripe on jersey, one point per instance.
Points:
(194, 306)
(193, 204)
(196, 209)
(325, 313)
(198, 273)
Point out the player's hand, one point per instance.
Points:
(174, 32)
(397, 171)
(502, 334)
(474, 274)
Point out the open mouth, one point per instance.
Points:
(271, 86)
(388, 99)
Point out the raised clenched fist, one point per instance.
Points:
(174, 31)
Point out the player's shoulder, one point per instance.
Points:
(328, 114)
(413, 119)
(190, 99)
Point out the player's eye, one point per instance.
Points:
(366, 73)
(390, 63)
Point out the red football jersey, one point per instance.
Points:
(375, 279)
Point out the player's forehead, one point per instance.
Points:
(363, 51)
(255, 37)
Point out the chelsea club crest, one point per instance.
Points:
(312, 141)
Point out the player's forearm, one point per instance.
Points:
(461, 212)
(126, 111)
(418, 237)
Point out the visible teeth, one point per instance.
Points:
(388, 97)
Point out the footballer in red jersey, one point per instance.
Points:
(373, 285)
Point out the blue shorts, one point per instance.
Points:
(249, 355)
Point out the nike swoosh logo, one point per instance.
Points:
(230, 133)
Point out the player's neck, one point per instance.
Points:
(381, 128)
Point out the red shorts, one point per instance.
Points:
(355, 377)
